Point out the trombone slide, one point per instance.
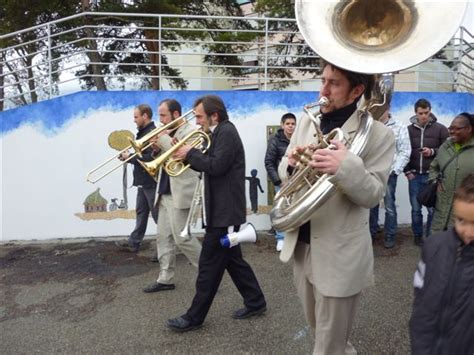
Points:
(138, 146)
(194, 211)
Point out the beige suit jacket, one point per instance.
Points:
(341, 247)
(182, 186)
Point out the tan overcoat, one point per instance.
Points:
(341, 247)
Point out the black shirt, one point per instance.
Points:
(164, 187)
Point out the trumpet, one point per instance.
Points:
(138, 146)
(194, 211)
(174, 167)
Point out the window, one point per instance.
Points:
(243, 2)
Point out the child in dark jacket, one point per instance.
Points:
(442, 321)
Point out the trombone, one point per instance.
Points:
(194, 210)
(139, 146)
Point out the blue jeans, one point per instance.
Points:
(279, 235)
(414, 187)
(390, 225)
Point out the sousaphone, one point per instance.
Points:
(365, 36)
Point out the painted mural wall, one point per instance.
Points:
(47, 149)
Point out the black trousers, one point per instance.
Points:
(144, 205)
(213, 261)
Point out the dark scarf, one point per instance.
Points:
(335, 119)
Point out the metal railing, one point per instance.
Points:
(115, 51)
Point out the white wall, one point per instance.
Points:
(48, 148)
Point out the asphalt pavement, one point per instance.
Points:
(86, 297)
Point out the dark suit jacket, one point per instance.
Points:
(140, 176)
(224, 177)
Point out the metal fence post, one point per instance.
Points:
(160, 86)
(266, 56)
(460, 59)
(50, 63)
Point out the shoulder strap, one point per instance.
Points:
(446, 165)
(450, 160)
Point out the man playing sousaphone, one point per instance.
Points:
(327, 224)
(333, 258)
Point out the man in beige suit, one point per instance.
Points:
(174, 196)
(333, 257)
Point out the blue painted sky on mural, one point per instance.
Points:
(51, 115)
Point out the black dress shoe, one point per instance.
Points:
(156, 287)
(245, 312)
(419, 241)
(124, 246)
(181, 325)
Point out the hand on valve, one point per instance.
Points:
(182, 152)
(294, 155)
(328, 160)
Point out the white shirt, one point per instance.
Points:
(402, 145)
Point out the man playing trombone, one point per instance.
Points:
(146, 184)
(174, 197)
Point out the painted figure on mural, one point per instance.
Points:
(254, 184)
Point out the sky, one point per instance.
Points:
(469, 18)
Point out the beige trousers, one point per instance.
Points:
(170, 224)
(329, 317)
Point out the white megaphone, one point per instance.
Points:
(248, 234)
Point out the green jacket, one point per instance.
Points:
(461, 166)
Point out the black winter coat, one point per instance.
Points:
(140, 176)
(224, 177)
(442, 321)
(276, 149)
(432, 135)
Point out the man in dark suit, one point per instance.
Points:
(224, 211)
(146, 184)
